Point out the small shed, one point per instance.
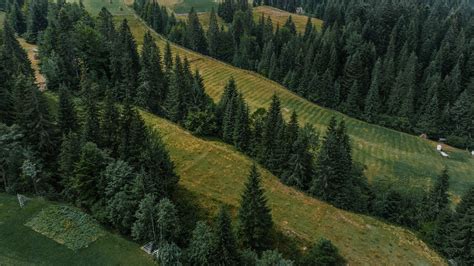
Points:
(439, 147)
(444, 154)
(424, 136)
(442, 140)
(472, 153)
(299, 10)
(149, 247)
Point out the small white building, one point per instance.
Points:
(444, 154)
(299, 10)
(472, 153)
(439, 147)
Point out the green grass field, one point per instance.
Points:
(388, 155)
(184, 6)
(2, 18)
(20, 245)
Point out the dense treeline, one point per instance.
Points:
(96, 152)
(404, 65)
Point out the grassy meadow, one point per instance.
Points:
(21, 245)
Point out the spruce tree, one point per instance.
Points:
(110, 123)
(201, 245)
(167, 221)
(145, 228)
(67, 118)
(69, 155)
(121, 201)
(152, 90)
(37, 19)
(213, 35)
(159, 177)
(133, 135)
(255, 219)
(16, 18)
(225, 249)
(195, 37)
(373, 103)
(438, 197)
(87, 185)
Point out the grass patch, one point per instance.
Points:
(2, 18)
(20, 245)
(199, 6)
(67, 226)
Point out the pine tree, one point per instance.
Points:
(67, 118)
(87, 184)
(334, 176)
(201, 245)
(133, 135)
(300, 165)
(37, 19)
(69, 155)
(463, 240)
(213, 35)
(353, 100)
(121, 201)
(110, 123)
(16, 18)
(152, 90)
(145, 227)
(242, 132)
(255, 220)
(167, 221)
(225, 249)
(168, 254)
(160, 178)
(438, 198)
(91, 130)
(32, 114)
(174, 106)
(13, 56)
(105, 24)
(274, 125)
(373, 102)
(195, 37)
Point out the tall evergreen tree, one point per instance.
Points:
(195, 36)
(67, 118)
(255, 220)
(225, 250)
(201, 245)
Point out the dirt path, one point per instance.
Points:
(32, 50)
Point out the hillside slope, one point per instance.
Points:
(388, 155)
(215, 173)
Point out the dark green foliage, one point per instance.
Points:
(201, 245)
(273, 257)
(255, 219)
(10, 157)
(152, 91)
(438, 197)
(69, 155)
(323, 253)
(167, 221)
(225, 252)
(168, 254)
(31, 113)
(36, 20)
(110, 124)
(87, 184)
(462, 238)
(122, 199)
(195, 38)
(67, 118)
(145, 227)
(334, 167)
(16, 18)
(124, 63)
(133, 135)
(159, 177)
